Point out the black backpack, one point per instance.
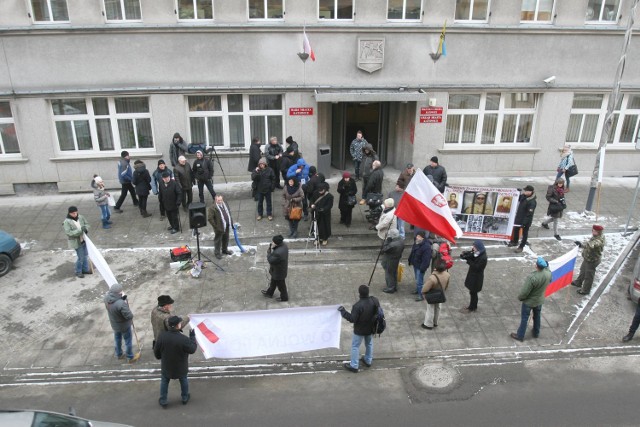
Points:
(379, 322)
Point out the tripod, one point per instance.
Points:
(313, 232)
(211, 151)
(199, 253)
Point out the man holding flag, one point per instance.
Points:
(532, 297)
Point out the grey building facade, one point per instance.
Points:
(82, 80)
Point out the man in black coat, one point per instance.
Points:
(273, 153)
(203, 174)
(524, 217)
(391, 254)
(173, 349)
(373, 184)
(321, 205)
(170, 196)
(438, 173)
(254, 154)
(278, 258)
(264, 179)
(362, 316)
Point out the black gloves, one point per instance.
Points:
(192, 333)
(84, 229)
(341, 309)
(578, 244)
(124, 297)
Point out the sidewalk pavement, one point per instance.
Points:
(56, 321)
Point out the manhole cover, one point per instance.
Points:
(436, 376)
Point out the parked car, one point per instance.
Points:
(634, 285)
(28, 418)
(9, 251)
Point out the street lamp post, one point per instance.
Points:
(596, 176)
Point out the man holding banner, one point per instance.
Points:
(532, 297)
(362, 316)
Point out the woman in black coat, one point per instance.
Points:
(346, 188)
(322, 205)
(477, 260)
(254, 154)
(142, 182)
(555, 197)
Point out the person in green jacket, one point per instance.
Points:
(75, 226)
(532, 297)
(591, 257)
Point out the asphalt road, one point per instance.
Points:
(562, 391)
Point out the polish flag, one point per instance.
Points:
(561, 271)
(307, 47)
(424, 206)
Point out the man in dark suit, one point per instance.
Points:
(278, 258)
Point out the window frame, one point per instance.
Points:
(9, 121)
(266, 9)
(225, 114)
(481, 114)
(196, 19)
(50, 10)
(536, 11)
(113, 116)
(471, 20)
(124, 19)
(404, 13)
(336, 19)
(600, 15)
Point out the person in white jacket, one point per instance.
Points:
(387, 219)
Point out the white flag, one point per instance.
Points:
(260, 333)
(99, 262)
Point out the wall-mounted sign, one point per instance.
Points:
(431, 110)
(434, 118)
(301, 111)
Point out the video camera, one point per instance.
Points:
(374, 201)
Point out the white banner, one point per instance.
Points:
(99, 262)
(260, 333)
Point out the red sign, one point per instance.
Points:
(301, 111)
(430, 110)
(431, 119)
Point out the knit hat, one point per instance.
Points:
(138, 162)
(434, 159)
(542, 263)
(124, 154)
(421, 233)
(161, 162)
(176, 135)
(529, 188)
(389, 203)
(174, 321)
(116, 288)
(199, 151)
(363, 290)
(164, 300)
(346, 174)
(166, 174)
(262, 161)
(312, 170)
(289, 139)
(598, 227)
(98, 179)
(278, 239)
(409, 165)
(72, 209)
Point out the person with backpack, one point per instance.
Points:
(363, 316)
(420, 258)
(437, 280)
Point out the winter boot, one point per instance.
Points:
(105, 224)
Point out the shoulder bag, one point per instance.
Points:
(295, 212)
(571, 171)
(436, 295)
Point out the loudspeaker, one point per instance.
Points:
(197, 215)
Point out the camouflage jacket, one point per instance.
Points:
(592, 249)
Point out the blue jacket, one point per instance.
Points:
(303, 176)
(156, 179)
(125, 171)
(420, 256)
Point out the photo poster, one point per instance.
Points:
(483, 212)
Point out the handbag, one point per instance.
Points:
(351, 200)
(295, 213)
(571, 171)
(111, 201)
(436, 296)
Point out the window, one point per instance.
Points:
(122, 10)
(537, 10)
(49, 10)
(195, 9)
(230, 121)
(491, 118)
(102, 124)
(602, 11)
(587, 119)
(404, 10)
(472, 10)
(335, 9)
(266, 9)
(8, 137)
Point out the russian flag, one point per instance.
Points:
(422, 205)
(562, 271)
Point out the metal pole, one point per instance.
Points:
(596, 176)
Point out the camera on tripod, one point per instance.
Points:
(374, 201)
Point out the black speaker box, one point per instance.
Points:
(197, 215)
